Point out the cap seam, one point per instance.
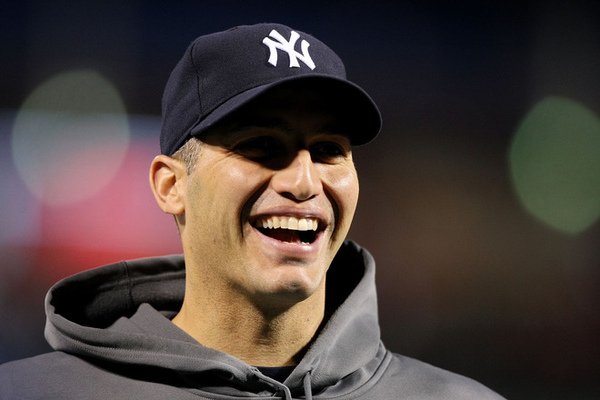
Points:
(198, 79)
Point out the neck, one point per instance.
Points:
(258, 335)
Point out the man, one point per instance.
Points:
(268, 299)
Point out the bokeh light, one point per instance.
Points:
(555, 164)
(70, 137)
(19, 214)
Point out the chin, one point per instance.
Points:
(288, 292)
(300, 288)
(297, 290)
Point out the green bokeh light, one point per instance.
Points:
(555, 164)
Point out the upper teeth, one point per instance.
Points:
(298, 224)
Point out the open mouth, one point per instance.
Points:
(289, 229)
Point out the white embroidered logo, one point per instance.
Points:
(288, 47)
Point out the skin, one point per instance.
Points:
(246, 294)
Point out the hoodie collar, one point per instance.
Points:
(116, 315)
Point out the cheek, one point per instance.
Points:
(230, 186)
(342, 184)
(230, 182)
(348, 183)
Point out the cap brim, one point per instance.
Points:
(360, 113)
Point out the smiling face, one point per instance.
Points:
(270, 201)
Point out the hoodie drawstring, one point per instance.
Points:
(306, 381)
(275, 383)
(307, 386)
(286, 392)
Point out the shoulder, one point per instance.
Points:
(416, 379)
(56, 375)
(28, 368)
(61, 376)
(38, 376)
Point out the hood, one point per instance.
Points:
(118, 316)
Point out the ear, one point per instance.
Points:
(167, 180)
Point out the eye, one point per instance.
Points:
(259, 147)
(327, 151)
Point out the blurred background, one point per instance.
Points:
(480, 200)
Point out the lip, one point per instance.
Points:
(289, 250)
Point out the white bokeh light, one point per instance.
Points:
(70, 137)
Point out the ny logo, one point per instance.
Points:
(288, 47)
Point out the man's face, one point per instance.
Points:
(269, 202)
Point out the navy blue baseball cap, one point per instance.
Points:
(221, 72)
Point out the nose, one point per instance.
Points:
(299, 180)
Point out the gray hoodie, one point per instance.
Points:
(113, 338)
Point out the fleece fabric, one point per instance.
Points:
(113, 339)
